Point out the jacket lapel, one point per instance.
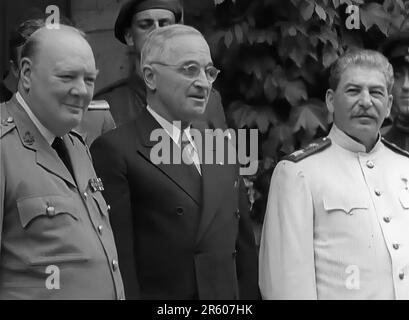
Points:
(32, 139)
(218, 177)
(180, 174)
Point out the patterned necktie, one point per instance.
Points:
(59, 146)
(188, 151)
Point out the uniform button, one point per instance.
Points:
(234, 254)
(401, 275)
(10, 120)
(85, 194)
(236, 183)
(238, 214)
(114, 265)
(100, 228)
(370, 164)
(387, 219)
(179, 211)
(377, 192)
(395, 246)
(50, 211)
(109, 207)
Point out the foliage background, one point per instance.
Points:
(274, 56)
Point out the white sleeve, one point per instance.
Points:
(286, 265)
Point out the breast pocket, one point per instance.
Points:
(344, 204)
(52, 230)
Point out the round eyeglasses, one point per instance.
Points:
(192, 70)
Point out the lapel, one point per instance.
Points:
(180, 174)
(32, 139)
(217, 179)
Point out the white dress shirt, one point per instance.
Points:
(174, 132)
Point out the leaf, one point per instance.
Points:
(295, 91)
(280, 136)
(228, 38)
(329, 55)
(298, 56)
(320, 12)
(307, 9)
(335, 3)
(374, 14)
(292, 31)
(239, 33)
(270, 88)
(311, 116)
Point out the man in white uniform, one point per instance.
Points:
(337, 219)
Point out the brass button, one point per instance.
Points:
(387, 219)
(401, 275)
(85, 194)
(109, 207)
(377, 192)
(179, 211)
(395, 246)
(10, 120)
(370, 164)
(50, 211)
(100, 228)
(114, 265)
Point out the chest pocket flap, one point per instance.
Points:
(30, 208)
(343, 202)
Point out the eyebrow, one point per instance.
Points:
(356, 85)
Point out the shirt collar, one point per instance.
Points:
(172, 130)
(47, 134)
(343, 140)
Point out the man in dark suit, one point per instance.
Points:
(127, 97)
(182, 228)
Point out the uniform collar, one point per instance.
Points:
(47, 134)
(343, 140)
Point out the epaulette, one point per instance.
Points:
(78, 135)
(6, 122)
(98, 105)
(313, 147)
(394, 147)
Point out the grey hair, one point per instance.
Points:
(361, 57)
(158, 40)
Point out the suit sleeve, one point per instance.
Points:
(286, 258)
(110, 165)
(247, 261)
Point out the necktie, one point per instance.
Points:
(188, 151)
(59, 146)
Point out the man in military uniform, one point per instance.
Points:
(96, 121)
(56, 239)
(396, 49)
(182, 230)
(128, 97)
(337, 217)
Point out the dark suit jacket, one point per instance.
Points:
(178, 236)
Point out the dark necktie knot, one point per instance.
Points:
(59, 146)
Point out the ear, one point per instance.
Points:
(389, 105)
(25, 72)
(149, 77)
(329, 100)
(128, 37)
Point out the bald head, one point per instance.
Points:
(57, 77)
